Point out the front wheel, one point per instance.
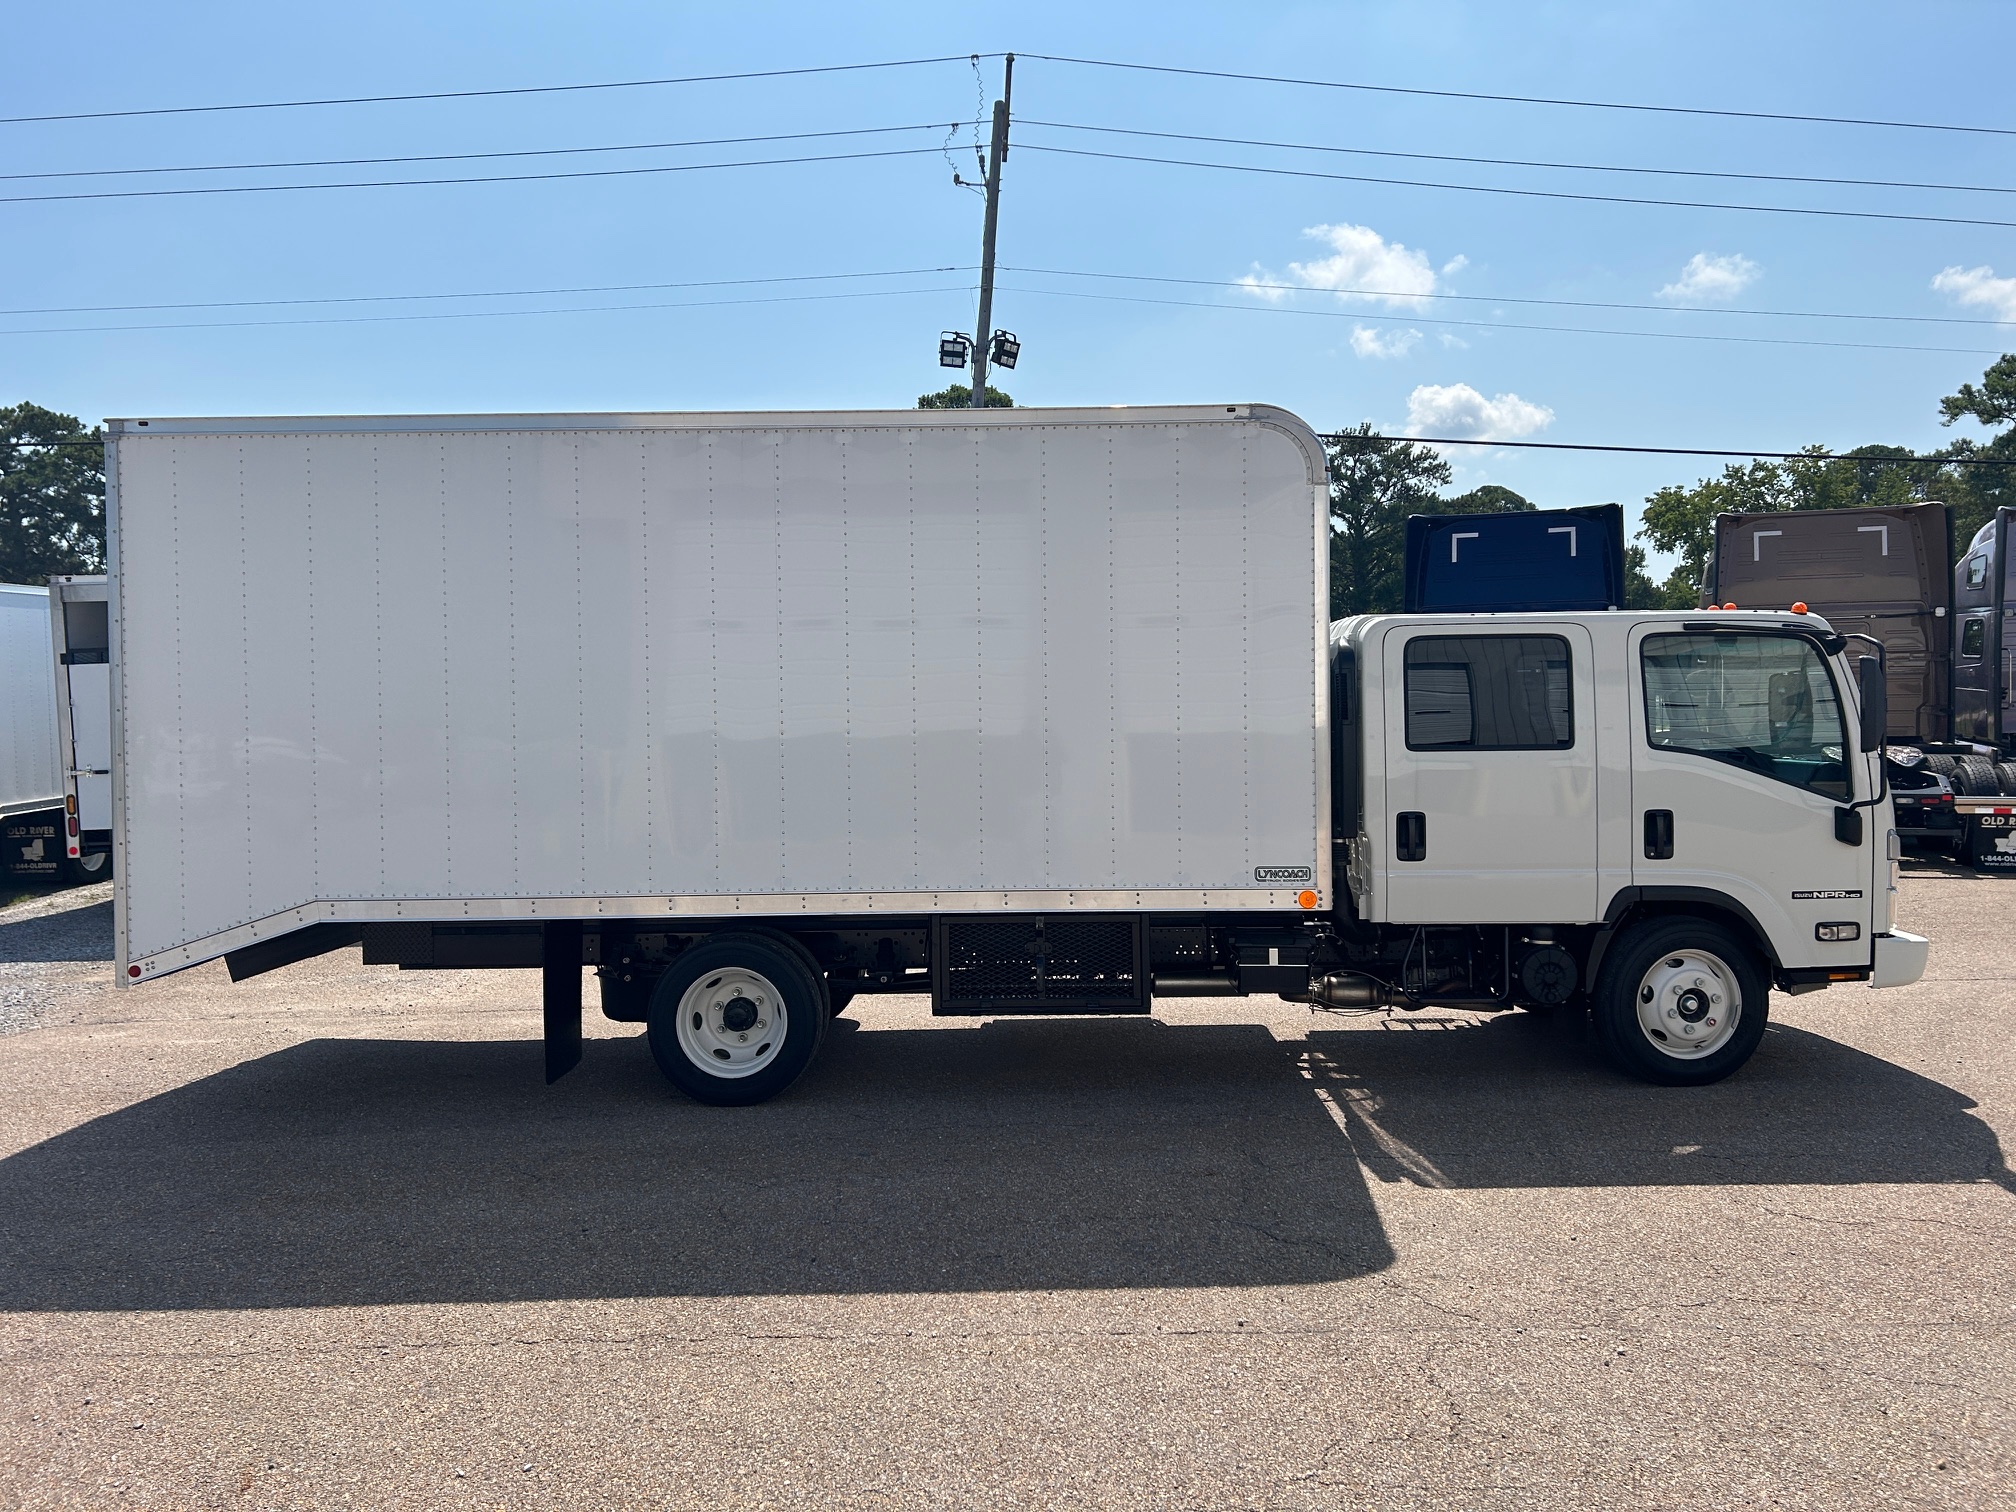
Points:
(737, 1019)
(1681, 1003)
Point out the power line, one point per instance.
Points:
(494, 178)
(1508, 99)
(683, 304)
(475, 94)
(250, 304)
(465, 157)
(1506, 325)
(1339, 437)
(1668, 451)
(1500, 299)
(1557, 194)
(1255, 285)
(1440, 157)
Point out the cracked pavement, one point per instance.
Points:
(324, 1239)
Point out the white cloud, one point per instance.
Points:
(1979, 287)
(1456, 409)
(1362, 263)
(1708, 277)
(1367, 342)
(1455, 265)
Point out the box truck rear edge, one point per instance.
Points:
(1036, 711)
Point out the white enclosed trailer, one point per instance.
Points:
(1033, 710)
(31, 781)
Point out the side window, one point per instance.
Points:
(1973, 637)
(1977, 570)
(1489, 693)
(1764, 703)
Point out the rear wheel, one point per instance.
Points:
(79, 870)
(2006, 770)
(737, 1019)
(1681, 1002)
(1975, 777)
(1940, 766)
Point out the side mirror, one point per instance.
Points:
(1875, 702)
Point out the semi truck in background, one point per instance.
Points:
(1543, 559)
(1889, 574)
(1027, 711)
(31, 780)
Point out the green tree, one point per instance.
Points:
(1977, 492)
(1375, 483)
(960, 396)
(52, 497)
(1486, 498)
(1641, 591)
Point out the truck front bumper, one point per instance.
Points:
(1900, 959)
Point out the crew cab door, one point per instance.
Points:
(1741, 753)
(1490, 749)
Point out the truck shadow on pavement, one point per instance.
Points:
(1520, 1101)
(1004, 1156)
(1070, 1154)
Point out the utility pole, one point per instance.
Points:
(983, 333)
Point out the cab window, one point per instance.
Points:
(1764, 703)
(1973, 637)
(1488, 693)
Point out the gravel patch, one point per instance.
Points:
(54, 948)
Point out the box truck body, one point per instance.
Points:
(546, 667)
(1031, 711)
(30, 774)
(1542, 559)
(1884, 573)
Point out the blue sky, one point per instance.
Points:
(1321, 354)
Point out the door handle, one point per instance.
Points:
(1658, 834)
(1410, 836)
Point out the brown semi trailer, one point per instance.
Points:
(1885, 573)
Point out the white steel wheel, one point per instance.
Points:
(732, 1023)
(1689, 1004)
(1681, 1001)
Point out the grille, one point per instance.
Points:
(1038, 965)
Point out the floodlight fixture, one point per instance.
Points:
(954, 349)
(1005, 350)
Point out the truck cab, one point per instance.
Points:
(1662, 813)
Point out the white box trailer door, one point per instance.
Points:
(586, 666)
(31, 777)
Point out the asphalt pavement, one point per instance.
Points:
(325, 1239)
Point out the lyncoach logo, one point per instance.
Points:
(1284, 874)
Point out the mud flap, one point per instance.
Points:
(560, 981)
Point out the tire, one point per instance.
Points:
(1660, 982)
(1975, 777)
(1940, 766)
(80, 871)
(2006, 770)
(737, 1018)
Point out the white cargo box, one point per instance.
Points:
(31, 776)
(598, 666)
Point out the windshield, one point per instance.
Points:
(1764, 703)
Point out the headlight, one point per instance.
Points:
(1837, 932)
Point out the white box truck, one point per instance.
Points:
(31, 781)
(1034, 711)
